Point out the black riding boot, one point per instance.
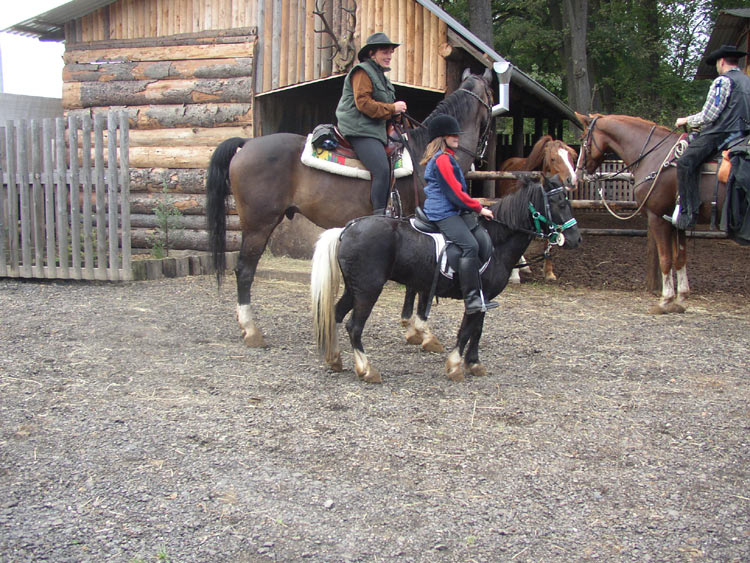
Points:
(471, 286)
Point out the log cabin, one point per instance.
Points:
(191, 73)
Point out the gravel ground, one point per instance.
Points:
(137, 427)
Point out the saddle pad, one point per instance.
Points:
(439, 239)
(334, 163)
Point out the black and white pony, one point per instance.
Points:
(372, 250)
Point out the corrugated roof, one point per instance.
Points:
(49, 25)
(727, 30)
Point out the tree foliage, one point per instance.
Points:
(642, 55)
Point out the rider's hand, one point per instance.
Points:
(681, 122)
(400, 107)
(486, 212)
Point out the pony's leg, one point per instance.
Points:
(454, 365)
(413, 336)
(471, 358)
(663, 232)
(515, 276)
(549, 274)
(343, 306)
(525, 269)
(430, 342)
(356, 324)
(680, 267)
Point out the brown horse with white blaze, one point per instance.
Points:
(648, 151)
(552, 157)
(269, 182)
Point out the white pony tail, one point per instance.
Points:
(325, 280)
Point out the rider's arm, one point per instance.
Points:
(452, 187)
(716, 101)
(362, 86)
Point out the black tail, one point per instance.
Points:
(217, 190)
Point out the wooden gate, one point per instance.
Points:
(64, 198)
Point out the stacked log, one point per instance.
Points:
(184, 95)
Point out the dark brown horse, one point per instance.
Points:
(648, 150)
(269, 182)
(551, 157)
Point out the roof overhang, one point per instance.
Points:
(729, 29)
(49, 26)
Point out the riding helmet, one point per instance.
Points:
(443, 125)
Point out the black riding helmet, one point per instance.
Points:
(443, 125)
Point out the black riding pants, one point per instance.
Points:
(457, 231)
(372, 154)
(689, 165)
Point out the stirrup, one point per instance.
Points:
(675, 214)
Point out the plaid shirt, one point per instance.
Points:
(716, 101)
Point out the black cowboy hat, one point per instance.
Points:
(724, 51)
(375, 40)
(443, 125)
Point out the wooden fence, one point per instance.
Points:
(64, 210)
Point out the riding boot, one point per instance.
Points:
(471, 286)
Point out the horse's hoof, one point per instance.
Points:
(550, 278)
(432, 344)
(414, 338)
(514, 280)
(336, 364)
(656, 310)
(674, 307)
(405, 322)
(456, 374)
(253, 339)
(372, 375)
(477, 370)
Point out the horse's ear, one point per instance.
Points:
(466, 74)
(487, 76)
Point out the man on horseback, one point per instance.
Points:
(450, 206)
(368, 100)
(725, 117)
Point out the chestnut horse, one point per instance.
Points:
(648, 152)
(552, 157)
(269, 182)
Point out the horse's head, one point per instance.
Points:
(560, 213)
(540, 208)
(560, 160)
(594, 145)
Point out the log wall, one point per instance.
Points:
(186, 73)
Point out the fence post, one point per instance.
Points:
(49, 196)
(62, 197)
(23, 168)
(38, 199)
(114, 263)
(101, 219)
(75, 198)
(88, 236)
(10, 157)
(3, 218)
(125, 194)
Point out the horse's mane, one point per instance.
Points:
(634, 120)
(513, 209)
(455, 104)
(532, 162)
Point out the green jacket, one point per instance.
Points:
(351, 121)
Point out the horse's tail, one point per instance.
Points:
(217, 190)
(324, 285)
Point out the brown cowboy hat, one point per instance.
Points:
(722, 52)
(375, 40)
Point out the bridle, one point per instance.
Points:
(543, 221)
(483, 140)
(653, 177)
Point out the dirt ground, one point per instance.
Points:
(136, 426)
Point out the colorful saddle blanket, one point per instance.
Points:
(343, 164)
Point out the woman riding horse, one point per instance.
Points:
(368, 100)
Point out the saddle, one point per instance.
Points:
(447, 253)
(327, 149)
